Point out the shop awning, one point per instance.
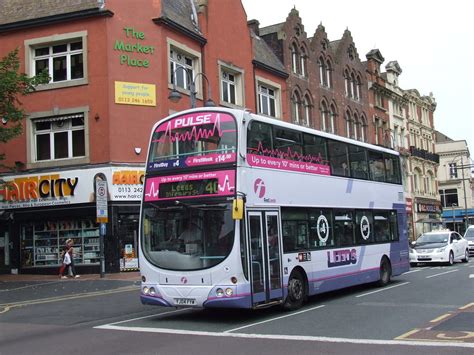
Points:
(448, 213)
(58, 118)
(450, 220)
(429, 220)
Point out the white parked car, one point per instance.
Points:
(439, 247)
(469, 236)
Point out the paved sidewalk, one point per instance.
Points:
(125, 276)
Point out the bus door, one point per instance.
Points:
(264, 237)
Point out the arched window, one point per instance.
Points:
(353, 86)
(430, 180)
(303, 58)
(329, 73)
(348, 119)
(322, 71)
(294, 59)
(417, 180)
(296, 107)
(347, 82)
(358, 84)
(307, 111)
(356, 124)
(324, 117)
(363, 131)
(332, 120)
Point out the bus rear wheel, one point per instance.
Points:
(296, 291)
(385, 272)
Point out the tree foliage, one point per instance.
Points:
(14, 85)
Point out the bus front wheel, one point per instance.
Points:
(296, 291)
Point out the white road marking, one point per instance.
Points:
(382, 289)
(272, 319)
(289, 337)
(471, 276)
(442, 273)
(411, 271)
(151, 315)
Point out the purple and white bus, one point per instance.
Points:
(245, 211)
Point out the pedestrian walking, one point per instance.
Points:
(65, 262)
(67, 265)
(70, 244)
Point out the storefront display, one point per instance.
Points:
(42, 242)
(42, 210)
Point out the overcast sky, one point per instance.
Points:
(431, 40)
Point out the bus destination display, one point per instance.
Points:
(189, 188)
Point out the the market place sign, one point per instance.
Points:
(130, 49)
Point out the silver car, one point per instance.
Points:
(439, 247)
(469, 236)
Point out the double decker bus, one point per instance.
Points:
(245, 211)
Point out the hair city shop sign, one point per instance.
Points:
(70, 187)
(35, 188)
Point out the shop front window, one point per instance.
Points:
(42, 242)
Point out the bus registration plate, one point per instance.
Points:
(185, 301)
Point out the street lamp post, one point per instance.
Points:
(466, 218)
(463, 187)
(175, 96)
(454, 221)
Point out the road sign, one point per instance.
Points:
(101, 201)
(103, 230)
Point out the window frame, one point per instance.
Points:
(238, 85)
(294, 59)
(452, 195)
(31, 142)
(196, 67)
(307, 111)
(31, 45)
(268, 84)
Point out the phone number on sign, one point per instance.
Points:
(130, 189)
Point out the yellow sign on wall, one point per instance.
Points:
(135, 94)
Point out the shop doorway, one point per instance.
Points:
(4, 251)
(128, 239)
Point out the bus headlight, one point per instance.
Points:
(146, 290)
(152, 291)
(220, 292)
(229, 292)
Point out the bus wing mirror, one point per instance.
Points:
(238, 209)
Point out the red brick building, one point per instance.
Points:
(327, 86)
(112, 66)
